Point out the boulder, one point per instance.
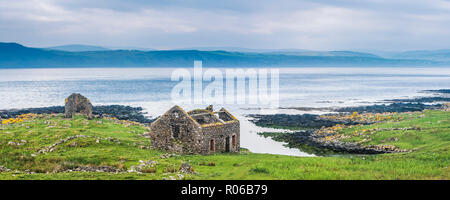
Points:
(186, 168)
(77, 103)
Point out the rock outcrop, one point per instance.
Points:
(77, 103)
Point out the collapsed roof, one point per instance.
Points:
(207, 116)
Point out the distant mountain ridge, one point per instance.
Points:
(437, 55)
(299, 52)
(78, 48)
(14, 55)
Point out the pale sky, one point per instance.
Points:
(260, 24)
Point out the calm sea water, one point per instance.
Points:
(150, 88)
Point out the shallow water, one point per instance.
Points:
(150, 88)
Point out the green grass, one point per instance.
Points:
(433, 134)
(430, 160)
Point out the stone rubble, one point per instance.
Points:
(108, 169)
(22, 142)
(178, 177)
(52, 147)
(186, 168)
(142, 165)
(168, 155)
(4, 169)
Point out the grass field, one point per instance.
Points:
(121, 145)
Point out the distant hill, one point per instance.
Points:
(298, 52)
(15, 55)
(326, 53)
(437, 55)
(239, 49)
(78, 48)
(130, 48)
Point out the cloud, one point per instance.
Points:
(319, 24)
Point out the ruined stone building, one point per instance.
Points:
(77, 103)
(199, 131)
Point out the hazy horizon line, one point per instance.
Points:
(217, 48)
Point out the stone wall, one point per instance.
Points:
(189, 132)
(220, 134)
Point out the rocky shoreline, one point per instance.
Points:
(308, 137)
(393, 105)
(118, 111)
(399, 107)
(310, 141)
(305, 121)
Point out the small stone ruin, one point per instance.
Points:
(77, 103)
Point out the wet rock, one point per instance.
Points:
(439, 96)
(118, 111)
(394, 107)
(123, 113)
(305, 121)
(441, 91)
(13, 113)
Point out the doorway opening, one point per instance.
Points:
(227, 144)
(211, 145)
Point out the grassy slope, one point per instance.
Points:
(429, 161)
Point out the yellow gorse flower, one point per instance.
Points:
(20, 118)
